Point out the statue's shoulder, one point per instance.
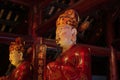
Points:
(81, 48)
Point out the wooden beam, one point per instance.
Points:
(6, 38)
(28, 3)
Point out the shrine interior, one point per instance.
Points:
(33, 19)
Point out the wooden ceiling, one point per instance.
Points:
(14, 18)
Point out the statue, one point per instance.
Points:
(23, 68)
(74, 61)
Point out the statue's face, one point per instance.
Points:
(15, 57)
(63, 35)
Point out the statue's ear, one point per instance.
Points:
(74, 32)
(21, 56)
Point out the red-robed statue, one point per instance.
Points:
(74, 61)
(23, 69)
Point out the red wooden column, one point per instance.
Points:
(112, 58)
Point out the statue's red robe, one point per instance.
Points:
(22, 72)
(74, 64)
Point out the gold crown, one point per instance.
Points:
(69, 17)
(18, 45)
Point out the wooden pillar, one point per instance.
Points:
(112, 58)
(113, 66)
